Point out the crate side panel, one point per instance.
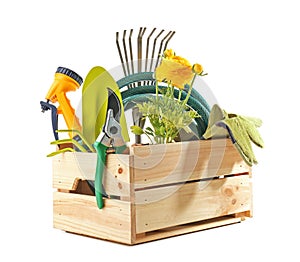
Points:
(69, 168)
(180, 204)
(66, 171)
(178, 162)
(79, 214)
(116, 179)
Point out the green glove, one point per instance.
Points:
(216, 115)
(242, 131)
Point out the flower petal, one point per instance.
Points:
(179, 74)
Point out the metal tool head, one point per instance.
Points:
(123, 54)
(112, 126)
(114, 104)
(111, 134)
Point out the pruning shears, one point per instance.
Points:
(110, 136)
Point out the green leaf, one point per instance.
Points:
(162, 131)
(149, 129)
(137, 130)
(149, 133)
(166, 114)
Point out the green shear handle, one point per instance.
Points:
(111, 136)
(101, 161)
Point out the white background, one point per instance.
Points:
(250, 50)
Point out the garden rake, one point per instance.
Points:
(128, 65)
(132, 69)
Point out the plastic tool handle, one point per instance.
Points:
(65, 80)
(46, 106)
(68, 113)
(101, 159)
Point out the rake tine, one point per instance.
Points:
(130, 49)
(141, 47)
(147, 51)
(153, 48)
(139, 53)
(120, 53)
(160, 47)
(142, 35)
(131, 56)
(147, 48)
(166, 44)
(125, 52)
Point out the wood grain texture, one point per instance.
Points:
(165, 190)
(79, 214)
(179, 162)
(175, 205)
(68, 168)
(185, 229)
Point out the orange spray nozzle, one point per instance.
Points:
(65, 80)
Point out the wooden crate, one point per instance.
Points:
(158, 191)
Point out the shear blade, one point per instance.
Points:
(114, 104)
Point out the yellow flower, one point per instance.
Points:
(168, 53)
(182, 61)
(197, 69)
(175, 72)
(175, 69)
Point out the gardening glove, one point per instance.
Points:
(241, 129)
(216, 114)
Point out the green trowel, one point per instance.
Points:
(95, 103)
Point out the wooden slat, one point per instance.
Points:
(184, 229)
(79, 214)
(66, 171)
(174, 205)
(179, 162)
(116, 179)
(70, 167)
